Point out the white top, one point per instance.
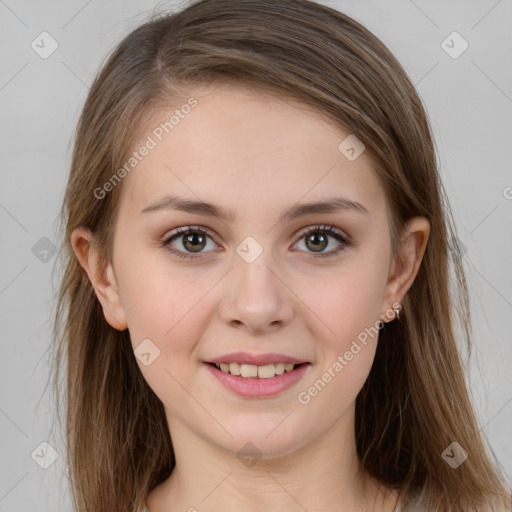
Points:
(397, 509)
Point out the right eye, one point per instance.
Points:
(190, 238)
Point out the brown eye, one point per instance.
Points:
(186, 241)
(194, 242)
(317, 239)
(317, 242)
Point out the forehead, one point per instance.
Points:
(241, 148)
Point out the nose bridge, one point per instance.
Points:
(256, 295)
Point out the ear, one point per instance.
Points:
(404, 267)
(101, 276)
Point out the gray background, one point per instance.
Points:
(469, 101)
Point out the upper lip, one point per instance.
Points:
(256, 359)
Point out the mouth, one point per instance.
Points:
(250, 371)
(252, 381)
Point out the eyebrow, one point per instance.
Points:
(330, 205)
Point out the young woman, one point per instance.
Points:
(256, 311)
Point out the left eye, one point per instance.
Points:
(317, 239)
(193, 239)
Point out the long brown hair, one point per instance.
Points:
(415, 402)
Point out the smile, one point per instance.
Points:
(251, 381)
(251, 371)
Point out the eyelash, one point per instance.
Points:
(329, 230)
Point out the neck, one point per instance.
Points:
(322, 475)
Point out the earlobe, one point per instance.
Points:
(405, 267)
(101, 275)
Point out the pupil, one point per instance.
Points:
(193, 240)
(315, 238)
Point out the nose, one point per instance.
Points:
(256, 297)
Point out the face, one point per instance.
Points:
(304, 286)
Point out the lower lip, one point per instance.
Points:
(254, 387)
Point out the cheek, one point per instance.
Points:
(348, 303)
(349, 300)
(346, 349)
(165, 303)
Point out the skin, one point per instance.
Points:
(257, 155)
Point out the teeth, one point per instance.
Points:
(234, 368)
(248, 370)
(267, 371)
(279, 368)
